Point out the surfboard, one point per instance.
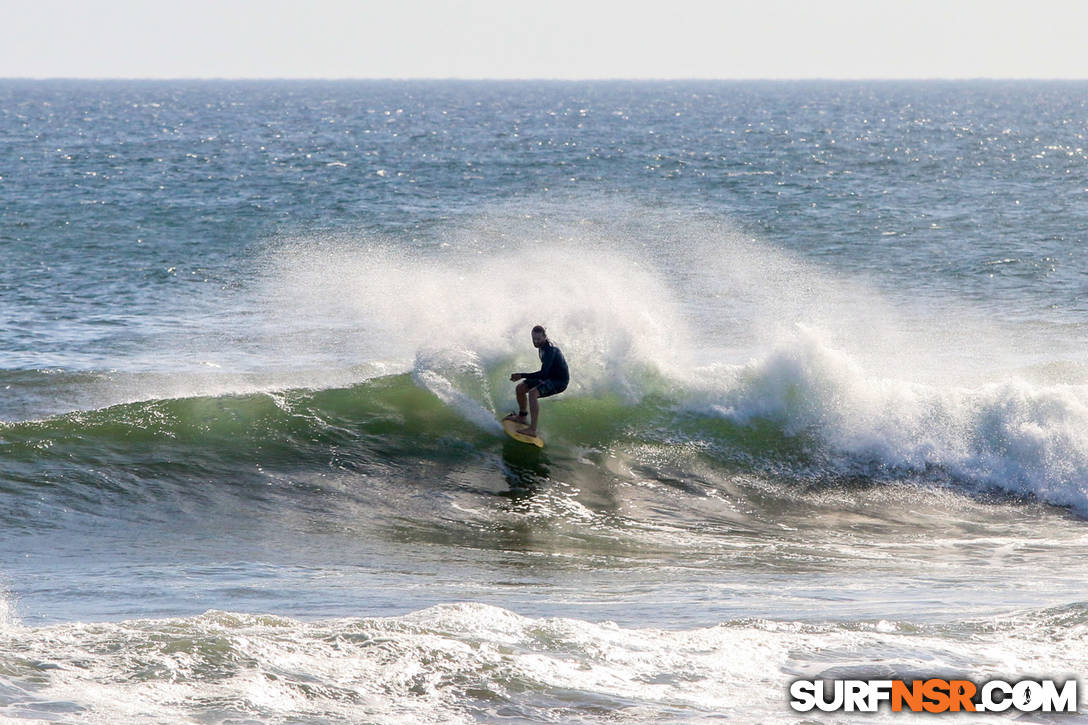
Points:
(511, 428)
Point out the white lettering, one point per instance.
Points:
(1027, 696)
(880, 691)
(1064, 701)
(836, 701)
(989, 704)
(803, 693)
(856, 696)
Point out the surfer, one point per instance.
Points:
(550, 379)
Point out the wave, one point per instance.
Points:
(1022, 437)
(805, 412)
(349, 353)
(469, 662)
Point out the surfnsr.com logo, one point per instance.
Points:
(933, 695)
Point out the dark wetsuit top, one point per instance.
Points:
(553, 376)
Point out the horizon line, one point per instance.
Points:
(547, 79)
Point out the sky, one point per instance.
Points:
(569, 39)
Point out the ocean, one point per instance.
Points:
(828, 415)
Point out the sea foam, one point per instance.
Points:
(1023, 437)
(466, 662)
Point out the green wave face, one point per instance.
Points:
(789, 422)
(390, 421)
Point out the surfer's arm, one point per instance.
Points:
(545, 368)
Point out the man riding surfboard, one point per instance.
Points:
(552, 378)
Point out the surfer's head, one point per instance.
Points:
(540, 336)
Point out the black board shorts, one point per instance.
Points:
(544, 388)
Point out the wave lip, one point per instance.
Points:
(1023, 438)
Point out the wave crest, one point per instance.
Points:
(1022, 437)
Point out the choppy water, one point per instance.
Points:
(828, 415)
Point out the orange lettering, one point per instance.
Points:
(911, 695)
(936, 691)
(961, 692)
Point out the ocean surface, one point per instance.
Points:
(828, 414)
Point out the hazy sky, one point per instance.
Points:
(543, 39)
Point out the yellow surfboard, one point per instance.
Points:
(511, 428)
